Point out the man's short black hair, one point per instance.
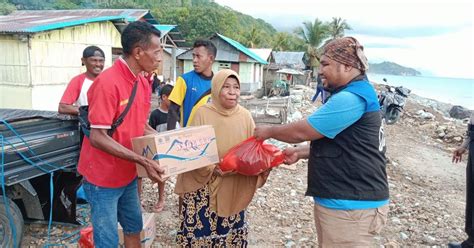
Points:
(210, 47)
(90, 51)
(166, 90)
(137, 33)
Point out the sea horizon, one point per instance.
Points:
(455, 91)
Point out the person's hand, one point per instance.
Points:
(265, 175)
(262, 132)
(154, 170)
(291, 155)
(457, 154)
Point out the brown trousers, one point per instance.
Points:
(348, 228)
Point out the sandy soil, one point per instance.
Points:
(426, 206)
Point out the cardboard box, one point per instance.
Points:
(179, 150)
(147, 235)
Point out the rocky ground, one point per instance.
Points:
(427, 190)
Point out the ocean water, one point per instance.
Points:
(456, 91)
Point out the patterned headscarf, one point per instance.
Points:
(347, 51)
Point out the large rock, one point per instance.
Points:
(459, 112)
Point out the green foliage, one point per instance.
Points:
(118, 4)
(202, 18)
(316, 33)
(64, 4)
(283, 41)
(198, 21)
(32, 4)
(337, 27)
(252, 37)
(6, 8)
(313, 34)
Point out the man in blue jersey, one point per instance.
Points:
(192, 89)
(346, 166)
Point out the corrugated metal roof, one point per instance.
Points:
(173, 32)
(179, 51)
(165, 29)
(289, 59)
(263, 53)
(290, 71)
(31, 21)
(243, 49)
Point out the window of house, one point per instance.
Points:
(224, 66)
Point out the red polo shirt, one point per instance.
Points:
(76, 90)
(108, 97)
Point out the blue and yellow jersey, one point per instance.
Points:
(186, 93)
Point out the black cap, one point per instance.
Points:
(90, 51)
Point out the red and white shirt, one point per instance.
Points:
(76, 91)
(108, 97)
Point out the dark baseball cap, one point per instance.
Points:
(90, 51)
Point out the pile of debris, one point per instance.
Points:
(281, 109)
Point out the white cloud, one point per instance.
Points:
(379, 12)
(443, 46)
(449, 55)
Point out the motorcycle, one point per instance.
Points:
(391, 102)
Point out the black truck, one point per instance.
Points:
(34, 145)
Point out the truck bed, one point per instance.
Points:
(53, 139)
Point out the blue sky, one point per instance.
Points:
(435, 37)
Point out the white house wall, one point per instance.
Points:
(246, 77)
(247, 73)
(167, 66)
(15, 83)
(258, 75)
(188, 66)
(54, 59)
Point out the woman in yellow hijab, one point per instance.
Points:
(214, 203)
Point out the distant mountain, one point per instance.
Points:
(392, 69)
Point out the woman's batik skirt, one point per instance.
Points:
(201, 227)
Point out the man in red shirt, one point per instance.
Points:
(75, 94)
(107, 162)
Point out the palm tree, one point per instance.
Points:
(253, 38)
(337, 27)
(313, 34)
(281, 41)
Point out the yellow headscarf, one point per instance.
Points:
(216, 86)
(232, 193)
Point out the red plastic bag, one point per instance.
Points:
(87, 238)
(251, 157)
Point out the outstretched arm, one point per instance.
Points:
(295, 132)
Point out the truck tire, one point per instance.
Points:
(6, 232)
